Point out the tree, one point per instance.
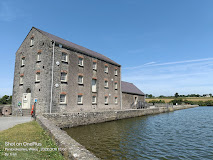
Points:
(176, 95)
(6, 99)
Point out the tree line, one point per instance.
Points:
(181, 101)
(176, 95)
(6, 99)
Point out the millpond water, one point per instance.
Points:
(182, 134)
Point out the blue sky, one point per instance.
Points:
(163, 46)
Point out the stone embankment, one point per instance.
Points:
(68, 146)
(71, 149)
(67, 120)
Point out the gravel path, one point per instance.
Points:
(9, 122)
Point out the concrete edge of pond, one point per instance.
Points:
(69, 147)
(68, 120)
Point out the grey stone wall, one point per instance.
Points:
(128, 100)
(41, 90)
(69, 147)
(72, 88)
(68, 120)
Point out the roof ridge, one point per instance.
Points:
(77, 47)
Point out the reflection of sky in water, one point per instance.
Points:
(186, 134)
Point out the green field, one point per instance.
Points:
(23, 134)
(167, 100)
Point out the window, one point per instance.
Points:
(80, 99)
(80, 79)
(116, 85)
(94, 88)
(64, 57)
(63, 77)
(62, 98)
(106, 84)
(32, 41)
(94, 65)
(80, 61)
(22, 61)
(38, 77)
(116, 71)
(21, 79)
(106, 69)
(93, 99)
(106, 99)
(38, 57)
(116, 100)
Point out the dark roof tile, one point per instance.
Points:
(77, 47)
(127, 87)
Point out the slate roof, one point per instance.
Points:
(77, 47)
(127, 87)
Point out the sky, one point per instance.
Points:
(163, 46)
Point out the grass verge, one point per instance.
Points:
(23, 136)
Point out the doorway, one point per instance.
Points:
(26, 99)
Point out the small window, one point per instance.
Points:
(80, 79)
(106, 99)
(63, 77)
(116, 85)
(38, 57)
(106, 84)
(38, 77)
(106, 69)
(62, 98)
(116, 71)
(64, 57)
(32, 41)
(94, 66)
(93, 99)
(21, 80)
(80, 61)
(80, 99)
(116, 100)
(22, 61)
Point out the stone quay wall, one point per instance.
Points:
(68, 120)
(69, 147)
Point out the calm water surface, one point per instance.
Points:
(183, 134)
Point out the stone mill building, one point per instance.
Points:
(60, 76)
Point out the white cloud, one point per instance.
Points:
(191, 76)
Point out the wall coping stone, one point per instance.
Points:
(74, 150)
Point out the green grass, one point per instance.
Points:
(28, 132)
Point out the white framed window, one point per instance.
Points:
(63, 77)
(106, 99)
(21, 80)
(106, 69)
(94, 101)
(80, 79)
(116, 85)
(116, 100)
(32, 41)
(106, 84)
(94, 65)
(116, 71)
(94, 83)
(38, 77)
(22, 61)
(63, 98)
(64, 57)
(80, 99)
(38, 57)
(80, 61)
